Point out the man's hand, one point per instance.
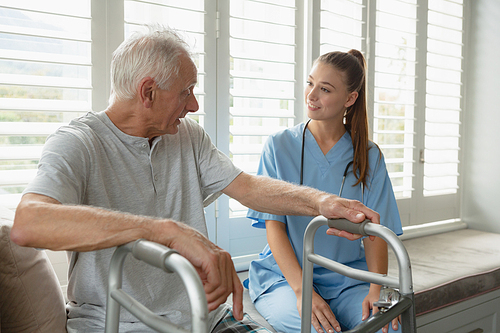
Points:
(274, 196)
(213, 264)
(332, 206)
(45, 223)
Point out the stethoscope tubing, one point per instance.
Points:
(346, 170)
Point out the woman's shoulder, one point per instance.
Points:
(286, 134)
(375, 154)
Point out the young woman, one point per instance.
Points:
(317, 154)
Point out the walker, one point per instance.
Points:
(396, 295)
(170, 261)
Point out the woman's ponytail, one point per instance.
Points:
(353, 65)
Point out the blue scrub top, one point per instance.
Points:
(281, 160)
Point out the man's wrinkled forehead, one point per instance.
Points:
(191, 72)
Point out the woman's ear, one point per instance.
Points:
(351, 99)
(147, 89)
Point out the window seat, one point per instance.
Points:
(456, 279)
(451, 267)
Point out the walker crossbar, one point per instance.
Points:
(380, 319)
(169, 260)
(406, 304)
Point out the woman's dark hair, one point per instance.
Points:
(353, 66)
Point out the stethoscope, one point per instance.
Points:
(302, 165)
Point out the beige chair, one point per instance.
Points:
(31, 299)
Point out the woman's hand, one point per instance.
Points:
(322, 314)
(372, 297)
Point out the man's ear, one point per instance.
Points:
(147, 91)
(351, 99)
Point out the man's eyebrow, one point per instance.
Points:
(194, 81)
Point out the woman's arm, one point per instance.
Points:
(377, 261)
(284, 255)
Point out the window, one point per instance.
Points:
(262, 68)
(342, 25)
(257, 52)
(188, 18)
(394, 97)
(45, 81)
(417, 101)
(253, 57)
(443, 97)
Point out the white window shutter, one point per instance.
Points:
(342, 25)
(45, 81)
(443, 97)
(262, 78)
(188, 19)
(394, 87)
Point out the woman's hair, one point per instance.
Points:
(353, 66)
(154, 54)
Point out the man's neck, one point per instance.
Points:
(125, 117)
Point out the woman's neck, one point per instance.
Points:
(326, 134)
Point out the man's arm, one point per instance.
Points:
(43, 222)
(273, 196)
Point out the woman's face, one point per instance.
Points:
(326, 94)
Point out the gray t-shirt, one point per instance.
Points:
(91, 162)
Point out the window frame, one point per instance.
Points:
(107, 32)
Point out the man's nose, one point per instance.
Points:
(192, 105)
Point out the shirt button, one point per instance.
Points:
(144, 145)
(156, 178)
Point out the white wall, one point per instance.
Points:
(481, 143)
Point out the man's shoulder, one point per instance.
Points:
(191, 130)
(191, 125)
(83, 129)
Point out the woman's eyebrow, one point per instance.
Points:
(323, 82)
(328, 83)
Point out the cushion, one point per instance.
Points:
(249, 308)
(451, 267)
(31, 299)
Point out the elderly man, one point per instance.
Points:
(139, 169)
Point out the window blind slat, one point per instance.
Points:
(61, 7)
(37, 32)
(28, 128)
(44, 57)
(16, 177)
(254, 130)
(44, 81)
(21, 152)
(18, 104)
(257, 112)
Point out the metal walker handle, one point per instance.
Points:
(405, 307)
(169, 260)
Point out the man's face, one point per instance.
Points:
(171, 105)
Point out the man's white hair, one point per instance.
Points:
(154, 53)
